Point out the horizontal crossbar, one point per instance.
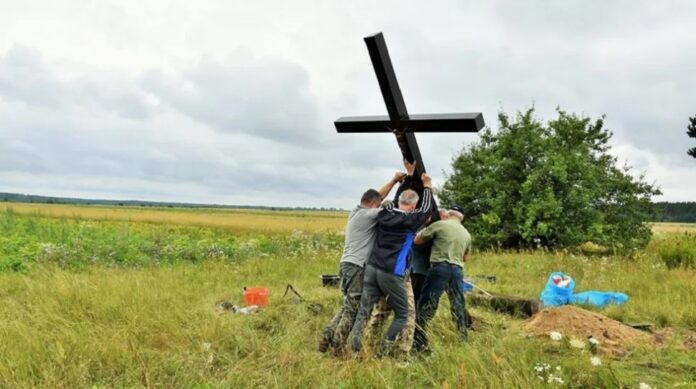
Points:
(445, 122)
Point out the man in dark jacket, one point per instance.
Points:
(389, 263)
(420, 255)
(420, 262)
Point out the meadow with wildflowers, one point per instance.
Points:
(90, 299)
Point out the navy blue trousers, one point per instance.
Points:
(442, 277)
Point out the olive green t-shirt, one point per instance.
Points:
(450, 241)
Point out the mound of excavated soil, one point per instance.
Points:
(571, 321)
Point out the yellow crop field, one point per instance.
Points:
(672, 228)
(263, 221)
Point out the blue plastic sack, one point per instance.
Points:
(467, 286)
(601, 299)
(554, 296)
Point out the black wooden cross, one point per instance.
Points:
(399, 121)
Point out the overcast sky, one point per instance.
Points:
(233, 102)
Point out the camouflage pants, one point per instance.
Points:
(380, 314)
(336, 332)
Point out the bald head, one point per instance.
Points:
(455, 214)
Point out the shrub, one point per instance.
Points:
(553, 184)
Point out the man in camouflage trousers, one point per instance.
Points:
(359, 240)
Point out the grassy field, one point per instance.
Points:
(669, 229)
(125, 297)
(235, 220)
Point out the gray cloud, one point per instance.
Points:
(265, 97)
(84, 143)
(236, 105)
(25, 77)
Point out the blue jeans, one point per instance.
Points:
(442, 277)
(378, 283)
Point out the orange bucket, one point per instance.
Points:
(256, 296)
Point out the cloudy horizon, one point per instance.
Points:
(233, 102)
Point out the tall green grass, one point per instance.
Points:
(26, 241)
(679, 251)
(148, 319)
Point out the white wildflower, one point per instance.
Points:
(554, 379)
(555, 335)
(643, 385)
(206, 348)
(575, 343)
(544, 373)
(542, 367)
(593, 341)
(595, 361)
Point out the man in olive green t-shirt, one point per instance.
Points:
(451, 246)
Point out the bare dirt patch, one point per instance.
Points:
(685, 341)
(690, 341)
(613, 336)
(663, 335)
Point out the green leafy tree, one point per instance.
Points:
(554, 185)
(691, 132)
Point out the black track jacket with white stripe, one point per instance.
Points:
(396, 230)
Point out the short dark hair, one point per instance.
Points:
(458, 208)
(370, 196)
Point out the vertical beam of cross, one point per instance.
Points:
(394, 100)
(399, 121)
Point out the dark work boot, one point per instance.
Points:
(468, 319)
(325, 341)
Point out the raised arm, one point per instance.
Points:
(386, 188)
(409, 182)
(427, 199)
(420, 215)
(419, 239)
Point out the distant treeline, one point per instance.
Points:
(676, 212)
(25, 198)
